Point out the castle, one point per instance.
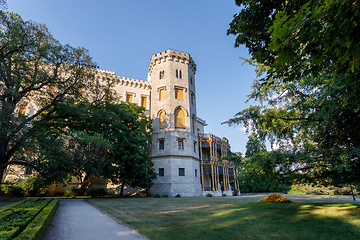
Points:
(186, 159)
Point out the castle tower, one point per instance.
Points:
(175, 150)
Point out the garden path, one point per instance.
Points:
(77, 219)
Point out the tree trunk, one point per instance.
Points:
(122, 189)
(2, 174)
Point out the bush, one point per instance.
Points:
(74, 192)
(178, 196)
(33, 186)
(235, 192)
(209, 195)
(275, 198)
(165, 196)
(294, 190)
(157, 196)
(96, 192)
(12, 189)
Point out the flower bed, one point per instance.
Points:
(275, 198)
(15, 219)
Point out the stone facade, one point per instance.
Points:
(169, 98)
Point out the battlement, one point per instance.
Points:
(171, 55)
(131, 82)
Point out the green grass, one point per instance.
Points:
(233, 218)
(4, 201)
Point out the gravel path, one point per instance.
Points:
(77, 219)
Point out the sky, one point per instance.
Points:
(122, 35)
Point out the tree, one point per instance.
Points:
(306, 54)
(36, 70)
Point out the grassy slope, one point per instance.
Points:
(233, 218)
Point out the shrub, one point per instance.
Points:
(74, 192)
(34, 186)
(165, 196)
(157, 196)
(235, 192)
(209, 195)
(275, 198)
(294, 190)
(178, 196)
(96, 192)
(12, 189)
(224, 195)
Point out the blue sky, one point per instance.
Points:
(122, 35)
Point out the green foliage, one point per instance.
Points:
(235, 192)
(32, 63)
(37, 227)
(31, 187)
(294, 190)
(306, 54)
(74, 192)
(165, 196)
(96, 192)
(177, 196)
(209, 195)
(157, 196)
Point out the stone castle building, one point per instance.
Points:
(186, 159)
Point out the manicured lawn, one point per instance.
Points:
(233, 218)
(4, 201)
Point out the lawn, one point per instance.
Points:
(233, 218)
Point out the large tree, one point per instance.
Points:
(40, 81)
(307, 58)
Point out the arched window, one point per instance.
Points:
(177, 73)
(179, 118)
(162, 120)
(180, 74)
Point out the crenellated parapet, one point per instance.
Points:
(171, 55)
(130, 82)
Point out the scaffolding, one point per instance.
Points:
(215, 171)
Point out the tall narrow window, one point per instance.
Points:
(144, 102)
(23, 108)
(176, 73)
(161, 172)
(180, 74)
(179, 118)
(192, 98)
(162, 94)
(195, 172)
(181, 171)
(195, 145)
(179, 93)
(161, 144)
(181, 144)
(162, 120)
(129, 98)
(162, 74)
(193, 123)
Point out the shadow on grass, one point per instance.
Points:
(217, 219)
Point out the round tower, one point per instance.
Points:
(175, 150)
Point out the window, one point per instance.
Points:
(162, 120)
(180, 74)
(161, 144)
(179, 93)
(193, 123)
(129, 97)
(23, 108)
(181, 144)
(176, 73)
(28, 170)
(161, 172)
(191, 80)
(162, 94)
(144, 102)
(52, 87)
(192, 98)
(181, 171)
(195, 146)
(162, 74)
(179, 118)
(195, 172)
